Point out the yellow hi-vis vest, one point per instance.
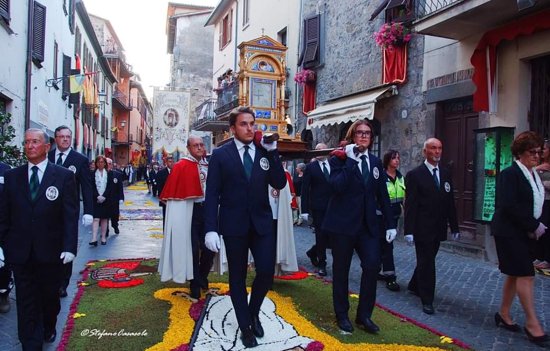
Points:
(396, 190)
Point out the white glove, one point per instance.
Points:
(349, 151)
(390, 235)
(212, 241)
(456, 236)
(87, 219)
(541, 229)
(305, 216)
(269, 147)
(121, 202)
(410, 239)
(66, 257)
(1, 258)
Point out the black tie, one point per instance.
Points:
(34, 182)
(436, 180)
(247, 161)
(59, 161)
(365, 168)
(325, 171)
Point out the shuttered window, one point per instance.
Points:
(39, 33)
(66, 72)
(5, 10)
(225, 30)
(71, 15)
(310, 54)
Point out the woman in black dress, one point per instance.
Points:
(518, 208)
(104, 195)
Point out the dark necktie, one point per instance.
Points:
(34, 182)
(59, 161)
(365, 168)
(436, 180)
(247, 161)
(325, 171)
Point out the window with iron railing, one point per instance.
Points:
(424, 8)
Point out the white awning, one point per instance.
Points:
(348, 109)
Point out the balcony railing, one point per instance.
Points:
(121, 98)
(228, 98)
(425, 8)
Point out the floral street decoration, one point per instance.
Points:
(304, 76)
(392, 35)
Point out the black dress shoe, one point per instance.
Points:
(428, 309)
(62, 292)
(4, 303)
(392, 285)
(257, 328)
(322, 272)
(499, 321)
(248, 339)
(50, 337)
(368, 324)
(541, 340)
(116, 230)
(345, 325)
(313, 257)
(103, 242)
(93, 243)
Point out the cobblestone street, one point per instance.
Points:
(467, 293)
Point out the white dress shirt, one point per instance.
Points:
(366, 153)
(431, 169)
(64, 157)
(240, 148)
(41, 169)
(326, 164)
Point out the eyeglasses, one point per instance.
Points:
(363, 133)
(535, 152)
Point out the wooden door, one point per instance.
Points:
(455, 126)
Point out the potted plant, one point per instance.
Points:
(305, 76)
(391, 35)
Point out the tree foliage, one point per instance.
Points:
(9, 153)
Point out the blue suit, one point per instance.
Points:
(33, 234)
(352, 224)
(316, 193)
(239, 210)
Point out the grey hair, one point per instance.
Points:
(193, 136)
(43, 132)
(301, 166)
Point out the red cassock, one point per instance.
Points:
(184, 182)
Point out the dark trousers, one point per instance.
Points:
(66, 273)
(164, 215)
(386, 249)
(321, 237)
(203, 259)
(5, 280)
(37, 300)
(116, 215)
(263, 250)
(423, 279)
(368, 250)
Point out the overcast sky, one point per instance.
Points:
(141, 26)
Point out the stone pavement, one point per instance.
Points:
(467, 294)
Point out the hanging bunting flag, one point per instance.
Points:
(77, 83)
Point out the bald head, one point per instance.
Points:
(433, 148)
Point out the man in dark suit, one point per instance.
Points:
(429, 210)
(6, 283)
(154, 186)
(316, 192)
(359, 191)
(39, 233)
(239, 174)
(118, 180)
(64, 156)
(160, 178)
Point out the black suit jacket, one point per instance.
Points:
(513, 205)
(233, 203)
(118, 184)
(429, 210)
(38, 230)
(161, 177)
(3, 168)
(78, 164)
(316, 190)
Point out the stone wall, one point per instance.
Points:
(352, 63)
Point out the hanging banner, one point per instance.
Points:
(171, 114)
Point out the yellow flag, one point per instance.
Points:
(76, 83)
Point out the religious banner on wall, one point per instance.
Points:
(171, 114)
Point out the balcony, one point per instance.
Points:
(228, 99)
(459, 19)
(206, 119)
(120, 100)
